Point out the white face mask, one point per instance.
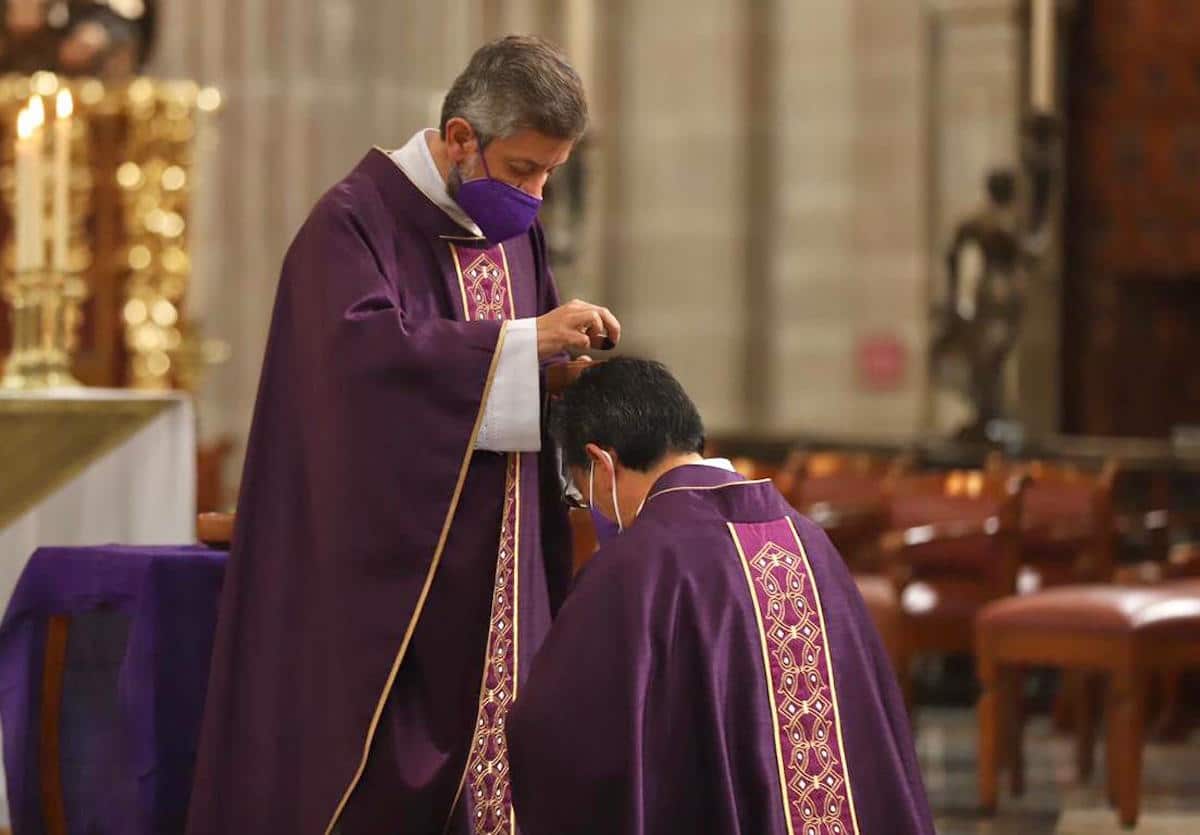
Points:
(591, 480)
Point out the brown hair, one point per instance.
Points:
(514, 83)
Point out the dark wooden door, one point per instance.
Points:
(1131, 303)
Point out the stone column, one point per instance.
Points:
(307, 92)
(811, 263)
(675, 260)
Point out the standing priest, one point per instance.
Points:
(714, 669)
(399, 545)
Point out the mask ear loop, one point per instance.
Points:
(616, 504)
(482, 161)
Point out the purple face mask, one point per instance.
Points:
(606, 529)
(502, 211)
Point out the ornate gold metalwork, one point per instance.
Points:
(46, 306)
(157, 126)
(166, 121)
(45, 315)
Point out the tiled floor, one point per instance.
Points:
(1053, 802)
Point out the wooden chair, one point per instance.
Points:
(1175, 716)
(1126, 634)
(1067, 521)
(847, 494)
(883, 606)
(953, 548)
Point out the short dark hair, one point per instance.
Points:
(514, 83)
(633, 406)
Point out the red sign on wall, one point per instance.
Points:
(882, 361)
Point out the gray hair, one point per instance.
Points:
(514, 83)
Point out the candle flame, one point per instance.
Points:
(24, 130)
(64, 105)
(37, 112)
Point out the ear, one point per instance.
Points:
(602, 458)
(460, 138)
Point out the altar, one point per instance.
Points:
(91, 466)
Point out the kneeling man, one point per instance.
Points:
(714, 669)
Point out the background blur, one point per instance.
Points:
(766, 194)
(931, 265)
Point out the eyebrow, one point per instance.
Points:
(525, 162)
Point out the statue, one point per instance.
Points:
(107, 39)
(994, 254)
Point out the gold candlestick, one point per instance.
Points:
(45, 313)
(131, 153)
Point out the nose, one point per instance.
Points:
(534, 185)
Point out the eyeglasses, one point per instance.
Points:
(571, 495)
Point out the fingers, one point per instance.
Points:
(594, 326)
(588, 326)
(578, 341)
(596, 319)
(611, 326)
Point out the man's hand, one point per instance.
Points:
(575, 327)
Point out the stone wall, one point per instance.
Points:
(308, 88)
(767, 181)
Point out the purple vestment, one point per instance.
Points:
(386, 589)
(714, 670)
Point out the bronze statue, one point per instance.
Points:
(994, 253)
(108, 39)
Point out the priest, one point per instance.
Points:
(400, 544)
(714, 669)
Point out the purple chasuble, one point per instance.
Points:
(387, 587)
(714, 670)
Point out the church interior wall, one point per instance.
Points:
(839, 229)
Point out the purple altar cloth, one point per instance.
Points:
(142, 626)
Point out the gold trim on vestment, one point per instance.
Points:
(483, 732)
(437, 556)
(462, 287)
(516, 663)
(837, 717)
(513, 474)
(746, 483)
(766, 659)
(512, 300)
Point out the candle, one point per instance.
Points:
(21, 202)
(64, 107)
(1042, 48)
(202, 286)
(36, 202)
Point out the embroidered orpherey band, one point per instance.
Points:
(484, 282)
(813, 774)
(487, 294)
(421, 598)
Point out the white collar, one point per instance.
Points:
(719, 463)
(416, 161)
